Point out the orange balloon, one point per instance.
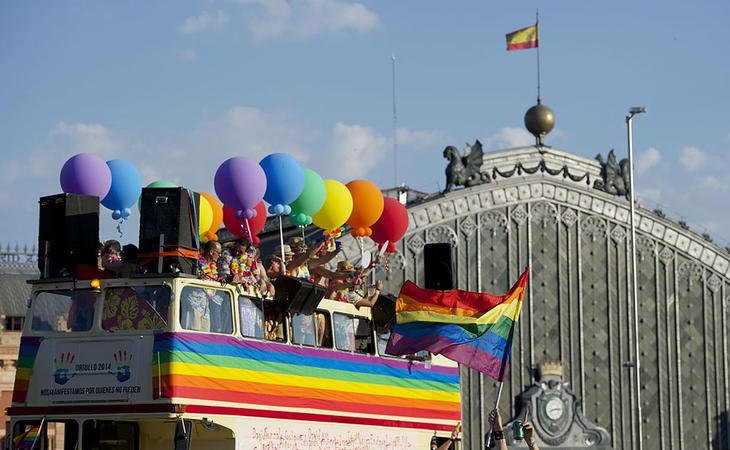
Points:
(217, 216)
(367, 206)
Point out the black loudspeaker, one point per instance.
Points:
(438, 268)
(170, 213)
(384, 312)
(298, 294)
(68, 234)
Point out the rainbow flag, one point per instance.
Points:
(27, 439)
(523, 38)
(471, 328)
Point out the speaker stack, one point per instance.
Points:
(438, 267)
(298, 295)
(384, 312)
(68, 234)
(168, 231)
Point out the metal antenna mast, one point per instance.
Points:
(395, 129)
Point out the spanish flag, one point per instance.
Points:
(523, 38)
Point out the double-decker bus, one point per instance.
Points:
(163, 361)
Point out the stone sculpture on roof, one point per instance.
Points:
(615, 176)
(465, 170)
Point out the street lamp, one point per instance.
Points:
(632, 112)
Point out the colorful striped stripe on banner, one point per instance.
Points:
(222, 368)
(471, 328)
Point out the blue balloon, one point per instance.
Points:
(126, 185)
(116, 214)
(284, 179)
(126, 212)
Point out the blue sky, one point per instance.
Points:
(178, 87)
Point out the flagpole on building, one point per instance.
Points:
(537, 36)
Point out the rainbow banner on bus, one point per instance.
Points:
(471, 328)
(27, 353)
(324, 383)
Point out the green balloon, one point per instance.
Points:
(310, 200)
(159, 183)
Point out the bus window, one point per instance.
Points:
(383, 341)
(303, 329)
(136, 308)
(110, 435)
(60, 435)
(363, 336)
(206, 309)
(353, 334)
(274, 316)
(63, 311)
(324, 329)
(344, 332)
(252, 317)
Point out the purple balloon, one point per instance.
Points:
(86, 174)
(240, 183)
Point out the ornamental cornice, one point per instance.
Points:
(536, 189)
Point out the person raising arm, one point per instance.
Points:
(495, 418)
(529, 432)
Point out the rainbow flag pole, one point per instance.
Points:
(28, 439)
(474, 329)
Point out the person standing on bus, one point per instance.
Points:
(208, 262)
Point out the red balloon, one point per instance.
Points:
(392, 224)
(237, 227)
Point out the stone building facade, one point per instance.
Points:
(540, 209)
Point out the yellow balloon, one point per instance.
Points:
(337, 206)
(205, 216)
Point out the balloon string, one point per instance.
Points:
(281, 241)
(387, 269)
(250, 239)
(119, 228)
(248, 228)
(362, 248)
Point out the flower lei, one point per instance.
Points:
(208, 270)
(113, 256)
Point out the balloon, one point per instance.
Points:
(86, 174)
(125, 213)
(310, 200)
(126, 185)
(158, 184)
(240, 183)
(336, 208)
(392, 224)
(284, 181)
(367, 205)
(209, 235)
(205, 216)
(238, 228)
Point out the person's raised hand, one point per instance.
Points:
(527, 428)
(495, 418)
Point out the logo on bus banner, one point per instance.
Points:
(65, 363)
